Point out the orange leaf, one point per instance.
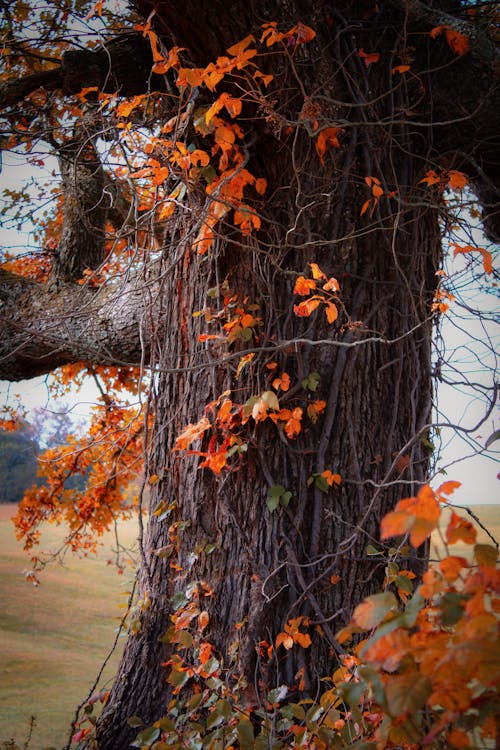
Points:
(487, 257)
(293, 425)
(243, 362)
(431, 178)
(373, 610)
(261, 185)
(448, 488)
(388, 650)
(365, 207)
(460, 529)
(417, 515)
(457, 42)
(282, 382)
(307, 307)
(203, 620)
(331, 479)
(304, 33)
(285, 640)
(232, 105)
(327, 137)
(304, 286)
(400, 69)
(314, 409)
(331, 312)
(215, 462)
(190, 77)
(240, 47)
(452, 566)
(456, 180)
(369, 57)
(191, 433)
(205, 652)
(303, 639)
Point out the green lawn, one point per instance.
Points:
(54, 638)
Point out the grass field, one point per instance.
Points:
(54, 638)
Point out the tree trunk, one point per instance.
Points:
(374, 370)
(359, 211)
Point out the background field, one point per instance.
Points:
(54, 638)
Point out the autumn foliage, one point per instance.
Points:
(424, 674)
(417, 664)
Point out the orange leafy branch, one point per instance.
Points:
(292, 634)
(451, 178)
(304, 286)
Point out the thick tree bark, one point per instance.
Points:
(268, 567)
(374, 364)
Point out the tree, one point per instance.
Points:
(257, 223)
(18, 465)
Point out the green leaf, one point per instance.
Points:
(276, 490)
(208, 173)
(244, 730)
(146, 737)
(221, 712)
(285, 498)
(178, 600)
(311, 382)
(135, 721)
(371, 550)
(321, 483)
(451, 606)
(272, 503)
(404, 583)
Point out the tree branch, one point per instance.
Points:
(123, 64)
(45, 327)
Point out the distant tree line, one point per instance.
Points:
(19, 451)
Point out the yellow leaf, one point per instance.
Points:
(316, 272)
(243, 362)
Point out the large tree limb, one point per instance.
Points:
(123, 64)
(44, 326)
